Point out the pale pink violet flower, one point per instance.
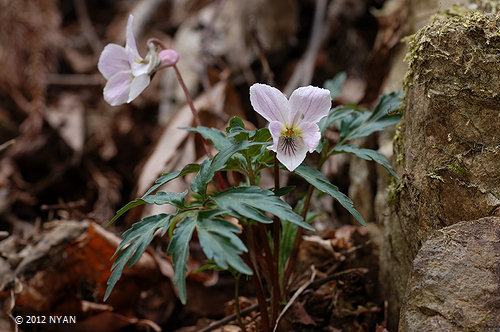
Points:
(128, 74)
(292, 122)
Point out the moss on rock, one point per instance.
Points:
(448, 144)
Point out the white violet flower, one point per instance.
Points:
(128, 74)
(292, 122)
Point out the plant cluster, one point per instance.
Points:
(246, 229)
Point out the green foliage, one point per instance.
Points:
(367, 154)
(214, 135)
(137, 239)
(179, 250)
(221, 244)
(244, 151)
(153, 199)
(252, 203)
(362, 123)
(320, 182)
(335, 84)
(218, 239)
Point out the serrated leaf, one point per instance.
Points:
(335, 84)
(236, 130)
(219, 140)
(366, 154)
(335, 114)
(128, 206)
(209, 167)
(362, 124)
(165, 178)
(160, 198)
(318, 180)
(138, 237)
(220, 243)
(179, 250)
(283, 190)
(252, 202)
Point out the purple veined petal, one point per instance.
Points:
(117, 89)
(309, 104)
(113, 60)
(275, 128)
(269, 102)
(138, 85)
(291, 153)
(310, 134)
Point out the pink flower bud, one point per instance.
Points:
(168, 58)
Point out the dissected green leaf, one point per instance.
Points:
(335, 114)
(179, 250)
(175, 199)
(283, 190)
(252, 202)
(366, 154)
(165, 178)
(318, 180)
(220, 243)
(137, 239)
(218, 138)
(362, 124)
(236, 130)
(209, 167)
(130, 205)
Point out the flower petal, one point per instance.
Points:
(130, 44)
(309, 104)
(138, 85)
(269, 102)
(117, 89)
(291, 156)
(134, 58)
(275, 128)
(113, 59)
(311, 134)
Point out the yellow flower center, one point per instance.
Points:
(288, 132)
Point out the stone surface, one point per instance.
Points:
(447, 148)
(455, 280)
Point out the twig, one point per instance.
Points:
(313, 284)
(295, 296)
(5, 145)
(304, 70)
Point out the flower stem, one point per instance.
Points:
(298, 238)
(250, 260)
(197, 121)
(275, 299)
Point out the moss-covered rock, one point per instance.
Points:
(448, 145)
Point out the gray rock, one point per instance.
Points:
(455, 280)
(447, 147)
